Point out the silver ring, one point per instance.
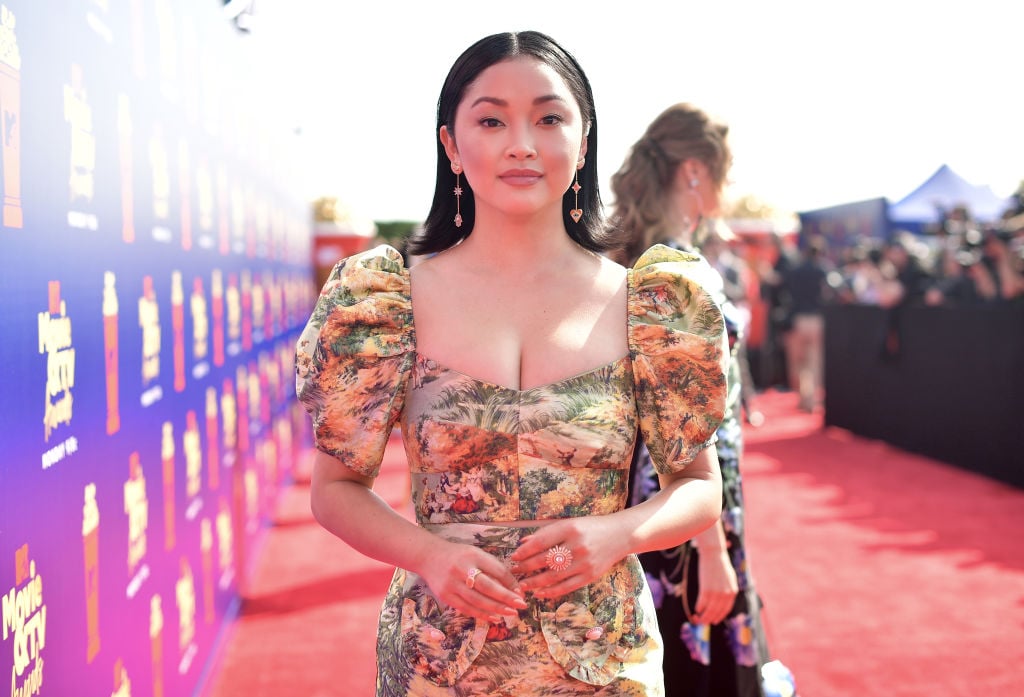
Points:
(471, 576)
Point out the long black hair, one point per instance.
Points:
(439, 231)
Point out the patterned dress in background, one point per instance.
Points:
(701, 660)
(482, 455)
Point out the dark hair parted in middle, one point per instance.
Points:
(439, 231)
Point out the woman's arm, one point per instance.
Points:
(344, 503)
(718, 586)
(689, 502)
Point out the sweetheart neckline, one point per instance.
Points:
(604, 366)
(407, 273)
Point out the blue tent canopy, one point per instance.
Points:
(942, 192)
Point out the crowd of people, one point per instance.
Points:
(964, 263)
(957, 262)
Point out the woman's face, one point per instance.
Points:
(695, 190)
(518, 137)
(711, 194)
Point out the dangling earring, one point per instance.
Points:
(576, 213)
(696, 195)
(458, 194)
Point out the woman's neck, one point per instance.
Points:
(514, 244)
(685, 216)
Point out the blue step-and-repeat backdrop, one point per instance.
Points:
(154, 276)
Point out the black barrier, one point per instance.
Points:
(946, 382)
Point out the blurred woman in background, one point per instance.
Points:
(709, 613)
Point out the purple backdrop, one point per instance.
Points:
(154, 274)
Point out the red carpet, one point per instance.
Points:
(883, 573)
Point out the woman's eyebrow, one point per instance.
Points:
(503, 103)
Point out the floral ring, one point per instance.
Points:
(559, 558)
(471, 576)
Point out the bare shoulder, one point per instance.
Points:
(611, 268)
(433, 275)
(444, 266)
(609, 275)
(426, 266)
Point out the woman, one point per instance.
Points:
(519, 387)
(707, 607)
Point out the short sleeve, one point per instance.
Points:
(679, 350)
(354, 357)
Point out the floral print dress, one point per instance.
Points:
(481, 455)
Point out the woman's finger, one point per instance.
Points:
(557, 557)
(701, 608)
(712, 608)
(495, 590)
(536, 545)
(556, 587)
(503, 577)
(488, 598)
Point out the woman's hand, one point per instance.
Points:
(593, 544)
(343, 502)
(471, 581)
(718, 586)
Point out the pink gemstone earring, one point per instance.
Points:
(576, 213)
(458, 194)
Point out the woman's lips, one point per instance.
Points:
(520, 177)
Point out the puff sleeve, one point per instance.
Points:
(679, 350)
(354, 357)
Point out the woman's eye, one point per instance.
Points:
(552, 119)
(490, 122)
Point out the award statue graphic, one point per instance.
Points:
(82, 177)
(212, 439)
(178, 328)
(149, 323)
(156, 642)
(200, 330)
(167, 455)
(110, 351)
(91, 549)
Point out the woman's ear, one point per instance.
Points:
(694, 171)
(448, 141)
(691, 169)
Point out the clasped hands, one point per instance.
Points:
(556, 559)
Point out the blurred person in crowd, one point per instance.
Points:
(953, 282)
(985, 269)
(773, 292)
(807, 287)
(533, 364)
(867, 280)
(707, 604)
(954, 226)
(715, 238)
(914, 278)
(999, 276)
(737, 278)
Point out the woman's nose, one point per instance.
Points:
(520, 146)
